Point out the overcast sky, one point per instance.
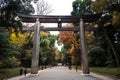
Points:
(61, 7)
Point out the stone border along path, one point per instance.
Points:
(61, 73)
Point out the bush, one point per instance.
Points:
(97, 57)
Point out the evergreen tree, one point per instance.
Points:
(7, 55)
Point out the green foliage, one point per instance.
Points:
(100, 6)
(81, 7)
(9, 10)
(4, 37)
(45, 43)
(6, 53)
(52, 39)
(26, 57)
(97, 57)
(107, 34)
(9, 20)
(47, 49)
(26, 53)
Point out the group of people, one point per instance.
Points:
(23, 70)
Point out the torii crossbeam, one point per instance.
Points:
(59, 19)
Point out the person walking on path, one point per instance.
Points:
(76, 68)
(25, 71)
(21, 70)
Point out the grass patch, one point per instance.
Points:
(114, 72)
(108, 71)
(7, 73)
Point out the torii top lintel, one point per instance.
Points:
(57, 19)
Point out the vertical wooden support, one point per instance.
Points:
(35, 54)
(84, 58)
(59, 23)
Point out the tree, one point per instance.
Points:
(71, 44)
(47, 49)
(43, 8)
(100, 6)
(7, 54)
(23, 46)
(9, 10)
(81, 7)
(71, 41)
(10, 20)
(108, 25)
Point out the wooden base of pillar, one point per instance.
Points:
(85, 74)
(33, 75)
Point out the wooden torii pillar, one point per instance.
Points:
(59, 20)
(35, 55)
(84, 57)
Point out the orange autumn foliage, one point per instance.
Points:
(68, 38)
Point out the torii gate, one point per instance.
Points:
(58, 19)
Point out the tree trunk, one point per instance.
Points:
(112, 47)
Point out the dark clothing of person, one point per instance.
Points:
(69, 67)
(25, 71)
(76, 68)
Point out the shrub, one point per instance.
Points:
(97, 57)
